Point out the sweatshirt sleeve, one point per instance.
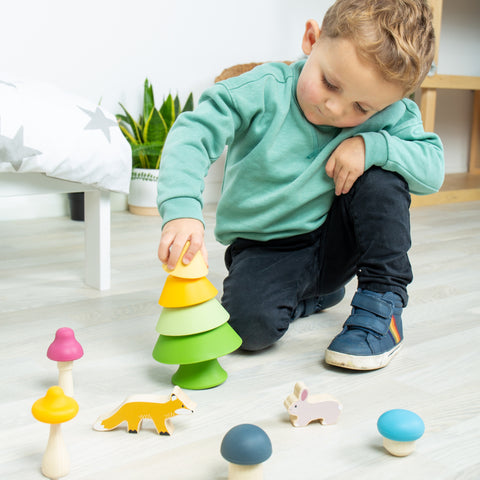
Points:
(405, 148)
(195, 141)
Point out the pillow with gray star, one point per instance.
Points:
(45, 129)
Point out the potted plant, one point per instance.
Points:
(147, 137)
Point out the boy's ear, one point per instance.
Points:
(312, 32)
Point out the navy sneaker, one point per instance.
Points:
(372, 334)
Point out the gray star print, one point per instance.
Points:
(98, 121)
(12, 150)
(8, 84)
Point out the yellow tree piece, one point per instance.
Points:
(197, 268)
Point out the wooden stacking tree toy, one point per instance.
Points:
(193, 327)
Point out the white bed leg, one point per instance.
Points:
(97, 239)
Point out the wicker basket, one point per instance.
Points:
(239, 69)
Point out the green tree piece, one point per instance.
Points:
(190, 320)
(197, 356)
(197, 347)
(199, 376)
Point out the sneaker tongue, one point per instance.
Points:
(373, 304)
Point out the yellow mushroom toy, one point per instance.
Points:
(55, 408)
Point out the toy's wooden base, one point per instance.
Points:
(56, 460)
(147, 211)
(398, 449)
(245, 472)
(199, 376)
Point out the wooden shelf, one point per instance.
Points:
(457, 187)
(454, 82)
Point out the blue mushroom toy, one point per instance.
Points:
(400, 429)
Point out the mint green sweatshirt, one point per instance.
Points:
(274, 183)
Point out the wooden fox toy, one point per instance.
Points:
(136, 408)
(304, 408)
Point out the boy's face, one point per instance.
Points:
(337, 88)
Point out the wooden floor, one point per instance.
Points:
(436, 375)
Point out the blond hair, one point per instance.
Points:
(395, 35)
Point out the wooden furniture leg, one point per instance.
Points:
(474, 163)
(97, 218)
(428, 103)
(97, 239)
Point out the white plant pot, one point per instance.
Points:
(142, 199)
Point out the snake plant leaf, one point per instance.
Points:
(176, 104)
(121, 118)
(167, 111)
(126, 132)
(146, 155)
(147, 136)
(188, 107)
(139, 160)
(133, 125)
(155, 128)
(155, 133)
(148, 99)
(147, 149)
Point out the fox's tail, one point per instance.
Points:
(108, 423)
(98, 425)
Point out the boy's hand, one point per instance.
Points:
(174, 236)
(346, 164)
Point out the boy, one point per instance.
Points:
(322, 155)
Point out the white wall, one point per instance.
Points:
(104, 49)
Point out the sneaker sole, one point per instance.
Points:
(357, 362)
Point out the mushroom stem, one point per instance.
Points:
(65, 378)
(399, 449)
(245, 472)
(56, 461)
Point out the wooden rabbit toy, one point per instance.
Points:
(304, 408)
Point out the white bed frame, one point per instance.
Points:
(97, 217)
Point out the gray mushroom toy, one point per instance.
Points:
(246, 447)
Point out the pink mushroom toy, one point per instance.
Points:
(64, 350)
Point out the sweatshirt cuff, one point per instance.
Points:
(180, 208)
(376, 149)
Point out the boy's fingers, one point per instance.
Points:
(196, 243)
(175, 252)
(189, 254)
(340, 178)
(175, 236)
(164, 249)
(162, 253)
(330, 167)
(347, 185)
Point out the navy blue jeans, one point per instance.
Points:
(366, 233)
